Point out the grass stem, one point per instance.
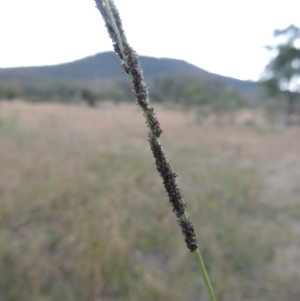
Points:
(205, 275)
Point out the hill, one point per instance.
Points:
(106, 66)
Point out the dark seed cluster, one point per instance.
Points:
(188, 232)
(175, 197)
(131, 66)
(155, 126)
(165, 170)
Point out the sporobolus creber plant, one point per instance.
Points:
(131, 66)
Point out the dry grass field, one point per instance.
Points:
(84, 217)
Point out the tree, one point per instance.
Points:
(89, 97)
(282, 74)
(12, 90)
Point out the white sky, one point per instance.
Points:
(222, 36)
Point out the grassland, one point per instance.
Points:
(84, 217)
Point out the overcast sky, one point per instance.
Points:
(222, 36)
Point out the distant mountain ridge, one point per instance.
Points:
(106, 66)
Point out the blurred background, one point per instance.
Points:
(83, 212)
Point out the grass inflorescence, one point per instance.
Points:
(132, 67)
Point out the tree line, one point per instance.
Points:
(181, 89)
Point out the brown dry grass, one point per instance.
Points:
(83, 214)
